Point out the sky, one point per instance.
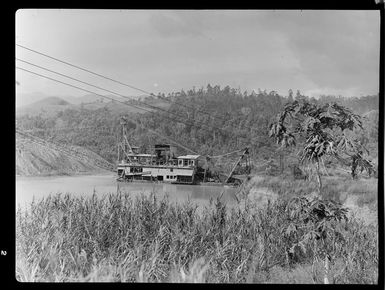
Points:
(316, 52)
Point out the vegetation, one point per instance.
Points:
(298, 238)
(121, 238)
(324, 130)
(240, 118)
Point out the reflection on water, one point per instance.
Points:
(28, 188)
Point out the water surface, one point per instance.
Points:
(28, 188)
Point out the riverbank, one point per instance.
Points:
(36, 159)
(359, 196)
(96, 171)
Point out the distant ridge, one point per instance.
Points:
(49, 106)
(46, 106)
(56, 101)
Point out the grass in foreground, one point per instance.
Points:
(142, 239)
(335, 188)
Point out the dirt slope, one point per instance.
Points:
(34, 159)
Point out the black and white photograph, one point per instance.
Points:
(225, 146)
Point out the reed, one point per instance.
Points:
(119, 238)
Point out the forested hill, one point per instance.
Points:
(211, 120)
(219, 120)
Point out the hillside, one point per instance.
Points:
(91, 98)
(34, 159)
(210, 120)
(49, 106)
(25, 99)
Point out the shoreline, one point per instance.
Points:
(64, 174)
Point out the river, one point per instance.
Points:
(28, 188)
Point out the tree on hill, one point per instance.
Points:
(211, 120)
(290, 96)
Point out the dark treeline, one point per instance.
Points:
(211, 120)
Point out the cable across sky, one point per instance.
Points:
(109, 98)
(115, 93)
(122, 83)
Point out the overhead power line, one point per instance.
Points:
(130, 105)
(76, 87)
(84, 69)
(199, 111)
(103, 129)
(121, 83)
(115, 93)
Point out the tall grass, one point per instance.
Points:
(143, 239)
(334, 188)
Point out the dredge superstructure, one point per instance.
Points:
(164, 165)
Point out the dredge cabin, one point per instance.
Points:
(164, 166)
